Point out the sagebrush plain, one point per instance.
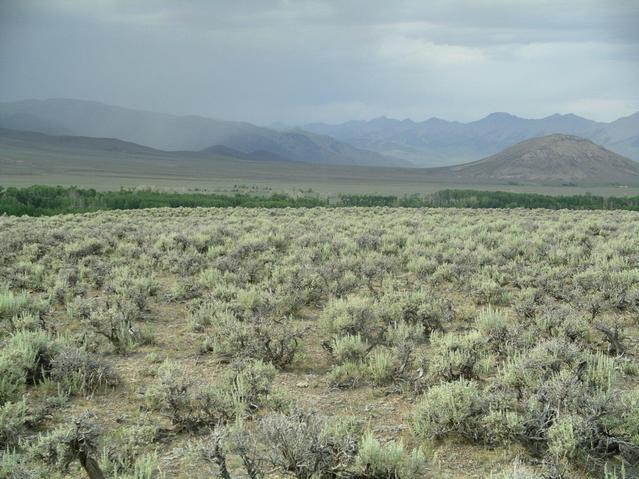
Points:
(359, 342)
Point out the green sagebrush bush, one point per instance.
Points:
(349, 348)
(299, 284)
(300, 444)
(357, 361)
(354, 315)
(25, 359)
(29, 357)
(76, 440)
(243, 390)
(458, 355)
(486, 290)
(566, 415)
(450, 408)
(389, 461)
(307, 445)
(82, 248)
(500, 334)
(12, 304)
(416, 308)
(81, 372)
(223, 441)
(262, 338)
(347, 375)
(146, 466)
(129, 287)
(19, 311)
(13, 465)
(14, 417)
(387, 363)
(125, 453)
(114, 321)
(526, 370)
(382, 366)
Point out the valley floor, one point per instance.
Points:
(23, 164)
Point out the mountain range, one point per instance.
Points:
(439, 142)
(379, 142)
(64, 117)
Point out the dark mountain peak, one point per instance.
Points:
(223, 151)
(500, 116)
(562, 115)
(382, 121)
(433, 120)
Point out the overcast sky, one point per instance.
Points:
(302, 61)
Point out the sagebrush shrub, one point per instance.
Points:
(14, 306)
(457, 355)
(552, 371)
(497, 330)
(25, 359)
(307, 445)
(243, 390)
(14, 417)
(346, 375)
(486, 290)
(524, 371)
(13, 466)
(565, 436)
(450, 408)
(351, 316)
(256, 338)
(77, 439)
(124, 454)
(390, 460)
(416, 308)
(114, 321)
(80, 371)
(349, 348)
(89, 247)
(382, 366)
(249, 383)
(187, 406)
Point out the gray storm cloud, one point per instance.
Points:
(302, 61)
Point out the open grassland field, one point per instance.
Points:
(318, 343)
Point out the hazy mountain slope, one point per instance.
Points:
(41, 140)
(554, 158)
(169, 132)
(161, 131)
(258, 155)
(107, 147)
(438, 142)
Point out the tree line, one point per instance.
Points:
(41, 200)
